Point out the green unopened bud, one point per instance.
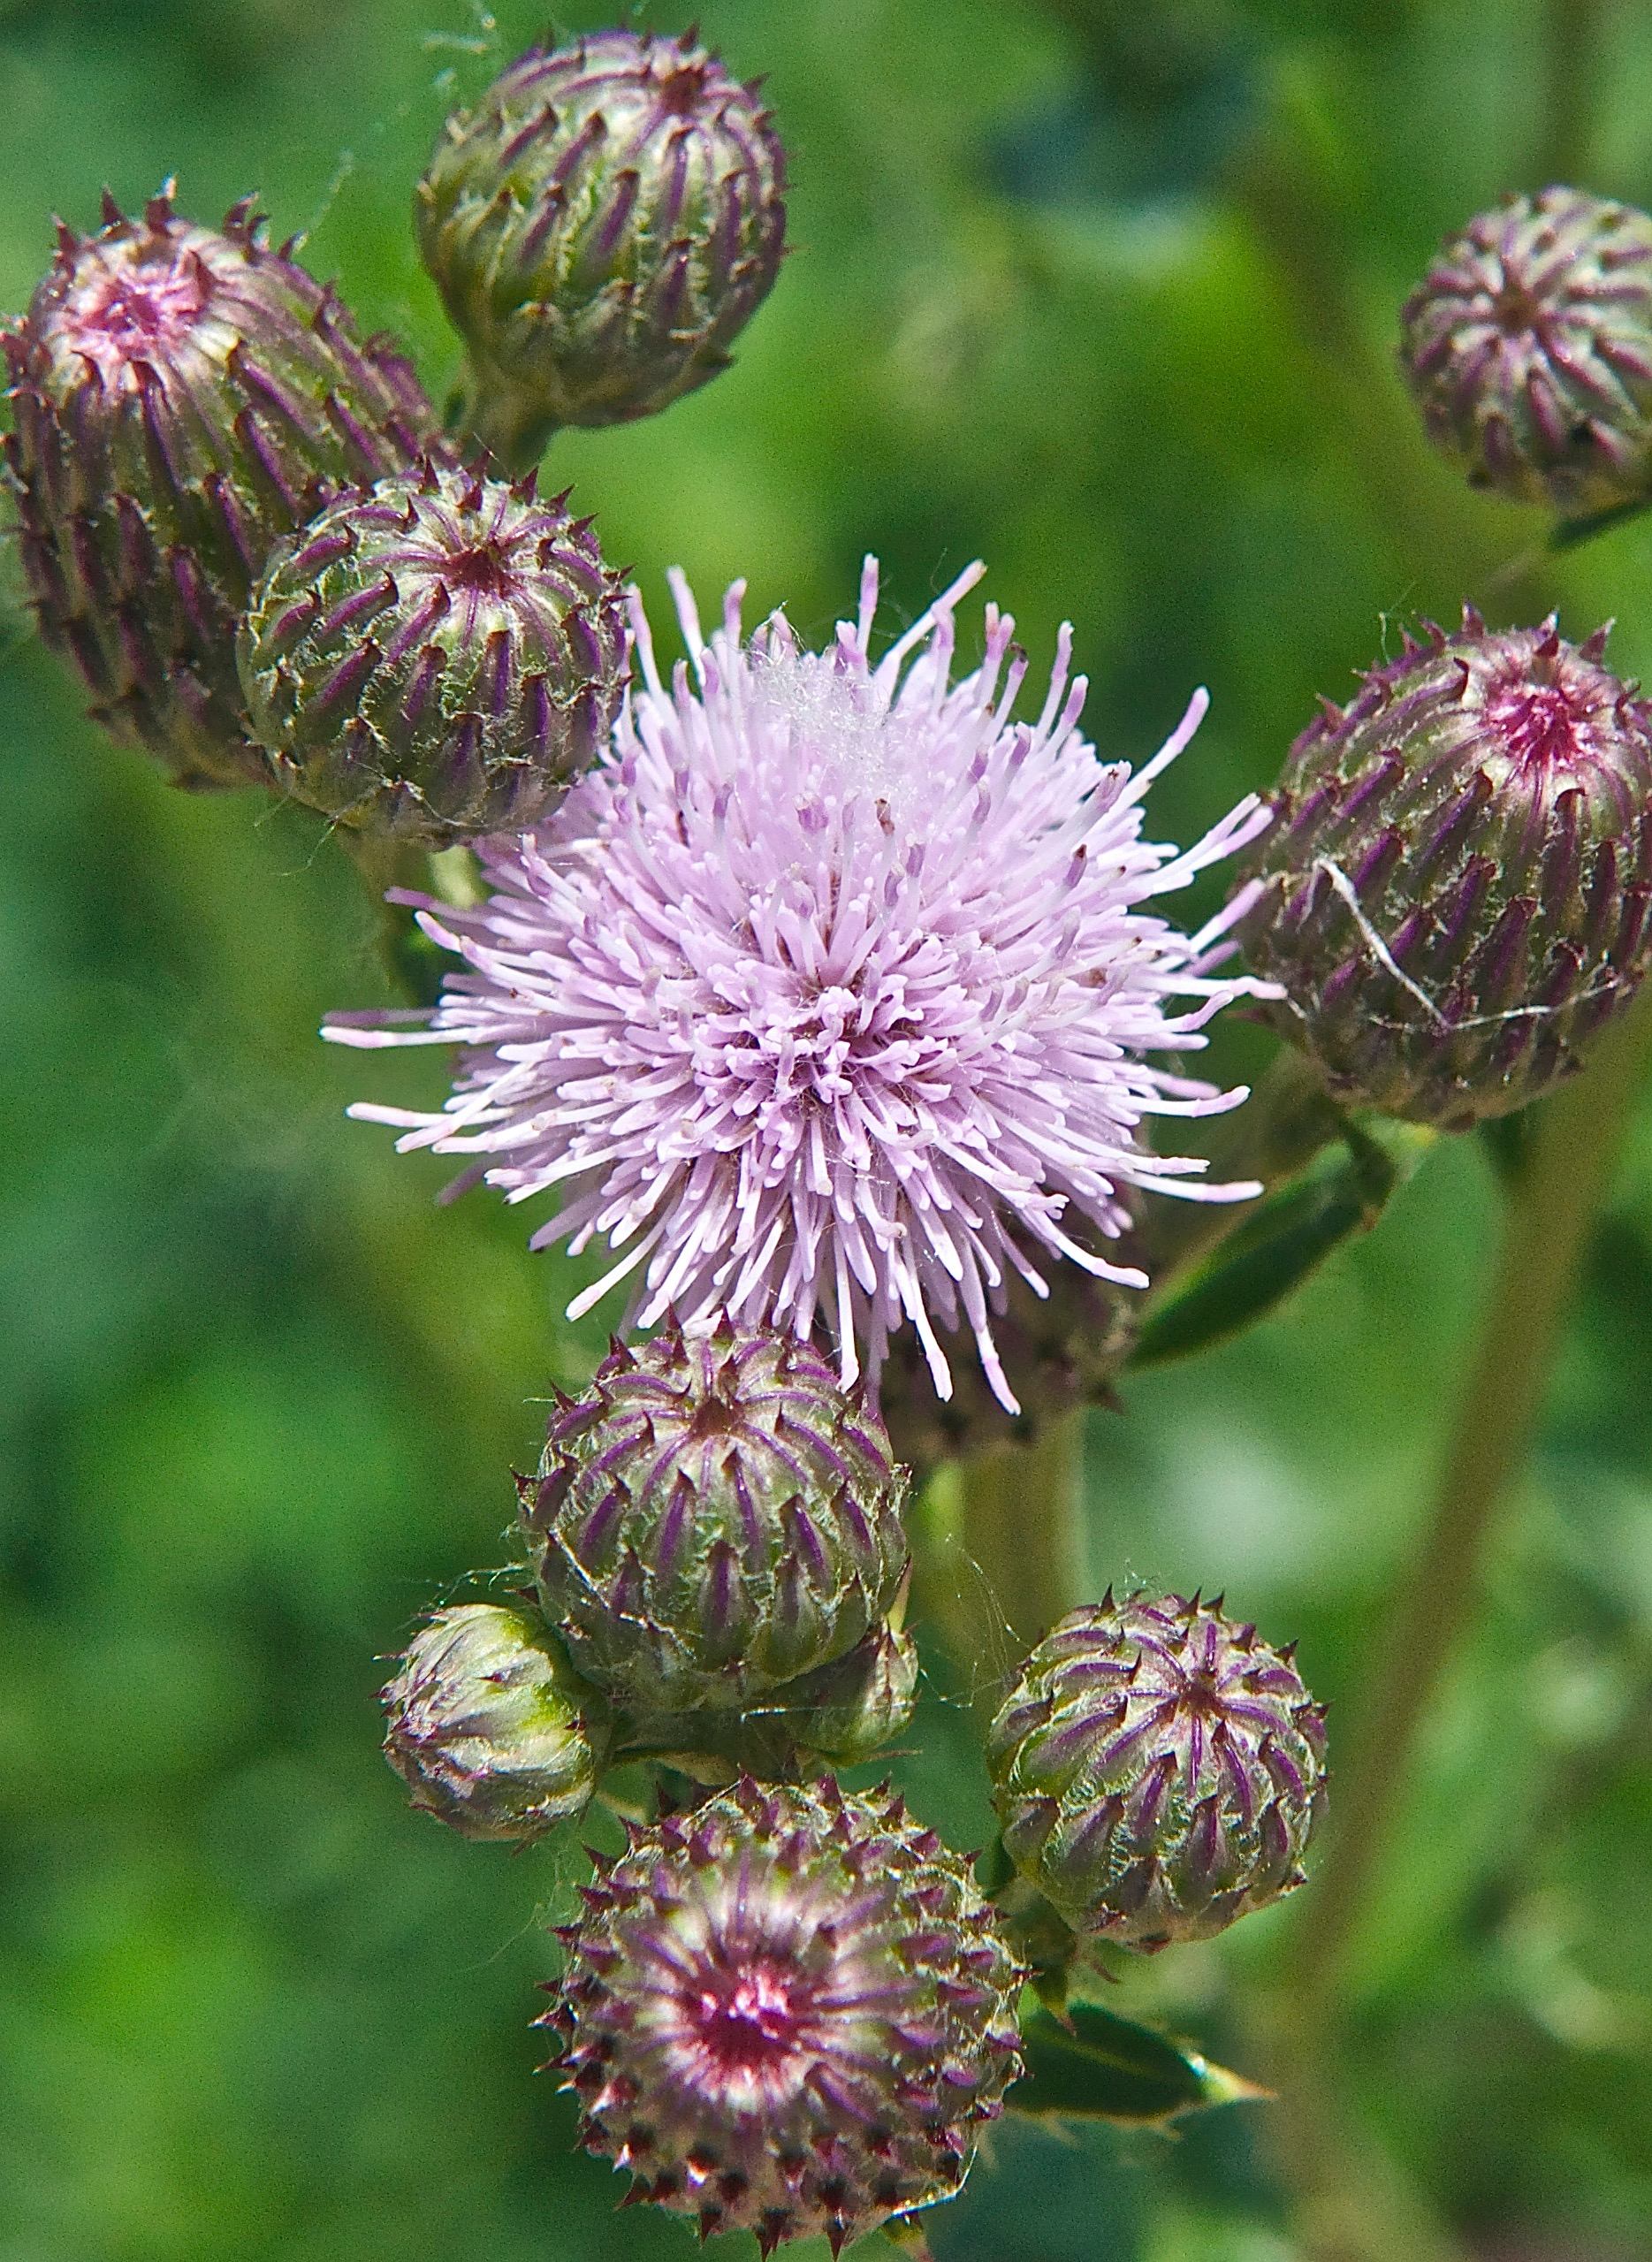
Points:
(183, 397)
(1158, 1771)
(436, 659)
(715, 1517)
(852, 1710)
(601, 227)
(490, 1728)
(1528, 347)
(1454, 895)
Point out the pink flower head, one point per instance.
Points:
(828, 999)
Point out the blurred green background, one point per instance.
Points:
(1102, 290)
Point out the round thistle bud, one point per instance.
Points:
(182, 398)
(788, 2013)
(490, 1728)
(1528, 346)
(715, 1516)
(853, 1709)
(435, 658)
(1455, 889)
(601, 226)
(1157, 1770)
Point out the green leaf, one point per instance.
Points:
(1287, 1236)
(1099, 2067)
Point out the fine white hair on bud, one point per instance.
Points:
(831, 999)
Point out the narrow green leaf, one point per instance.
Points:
(1099, 2067)
(1285, 1239)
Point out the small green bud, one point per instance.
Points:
(490, 1728)
(1529, 349)
(436, 659)
(182, 398)
(601, 226)
(853, 1709)
(715, 1517)
(1158, 1772)
(1454, 893)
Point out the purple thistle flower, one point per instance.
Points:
(827, 999)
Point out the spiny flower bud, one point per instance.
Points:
(853, 1709)
(1528, 346)
(1456, 886)
(714, 1518)
(1158, 1772)
(182, 398)
(601, 226)
(435, 658)
(491, 1727)
(788, 2013)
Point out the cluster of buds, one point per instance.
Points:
(204, 457)
(719, 1563)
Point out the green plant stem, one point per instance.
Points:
(1019, 1532)
(1352, 2204)
(1552, 1199)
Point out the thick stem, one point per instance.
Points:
(1019, 1546)
(1553, 1198)
(1352, 2205)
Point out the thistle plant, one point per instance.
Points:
(831, 996)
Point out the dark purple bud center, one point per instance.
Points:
(484, 569)
(746, 2026)
(1542, 726)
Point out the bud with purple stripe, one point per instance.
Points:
(1158, 1771)
(1455, 889)
(715, 1517)
(436, 659)
(182, 398)
(1529, 349)
(601, 227)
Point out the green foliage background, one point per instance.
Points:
(1101, 290)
